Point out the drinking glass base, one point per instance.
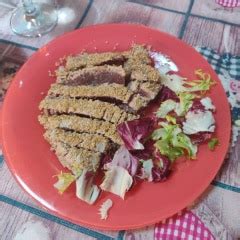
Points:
(41, 21)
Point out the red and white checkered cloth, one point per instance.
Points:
(229, 3)
(186, 226)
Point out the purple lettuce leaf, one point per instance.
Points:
(161, 168)
(200, 137)
(197, 105)
(132, 132)
(166, 93)
(154, 167)
(123, 158)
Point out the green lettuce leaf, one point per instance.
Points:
(202, 84)
(157, 134)
(166, 149)
(171, 119)
(172, 142)
(213, 142)
(166, 107)
(186, 100)
(184, 142)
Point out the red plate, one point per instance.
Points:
(33, 164)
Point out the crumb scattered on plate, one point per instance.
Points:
(104, 208)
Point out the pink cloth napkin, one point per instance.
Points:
(186, 226)
(229, 3)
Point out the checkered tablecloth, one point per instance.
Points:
(186, 226)
(198, 22)
(229, 3)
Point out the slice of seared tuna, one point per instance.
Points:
(76, 159)
(112, 91)
(94, 59)
(93, 142)
(87, 107)
(93, 76)
(81, 124)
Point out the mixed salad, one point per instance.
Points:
(183, 121)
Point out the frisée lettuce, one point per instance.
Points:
(165, 108)
(180, 108)
(179, 84)
(186, 100)
(172, 142)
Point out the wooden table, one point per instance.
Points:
(197, 22)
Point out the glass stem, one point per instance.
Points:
(29, 7)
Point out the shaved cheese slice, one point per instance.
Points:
(104, 208)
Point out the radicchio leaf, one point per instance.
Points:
(141, 154)
(166, 93)
(203, 104)
(200, 137)
(145, 172)
(85, 189)
(123, 158)
(156, 170)
(105, 159)
(117, 180)
(161, 168)
(132, 132)
(197, 105)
